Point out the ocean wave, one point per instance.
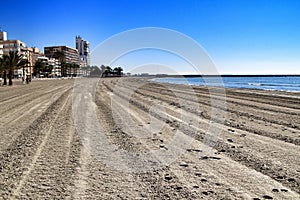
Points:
(274, 84)
(255, 84)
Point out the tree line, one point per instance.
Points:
(92, 71)
(15, 60)
(44, 69)
(102, 71)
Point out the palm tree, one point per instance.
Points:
(15, 61)
(102, 68)
(89, 69)
(76, 67)
(68, 69)
(73, 69)
(107, 71)
(118, 71)
(63, 68)
(84, 70)
(95, 72)
(4, 68)
(42, 68)
(48, 69)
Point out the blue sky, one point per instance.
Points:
(241, 37)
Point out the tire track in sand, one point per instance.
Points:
(253, 161)
(40, 148)
(16, 159)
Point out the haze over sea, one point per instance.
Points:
(277, 83)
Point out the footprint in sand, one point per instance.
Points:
(229, 140)
(267, 197)
(291, 180)
(195, 150)
(207, 192)
(168, 177)
(231, 130)
(198, 174)
(183, 164)
(163, 147)
(279, 177)
(210, 157)
(178, 188)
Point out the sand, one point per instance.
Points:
(162, 141)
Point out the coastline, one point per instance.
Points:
(250, 82)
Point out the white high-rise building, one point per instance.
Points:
(83, 48)
(3, 37)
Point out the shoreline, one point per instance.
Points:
(229, 75)
(231, 87)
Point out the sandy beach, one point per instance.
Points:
(250, 152)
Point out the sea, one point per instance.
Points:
(275, 83)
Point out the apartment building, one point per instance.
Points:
(83, 48)
(30, 54)
(70, 54)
